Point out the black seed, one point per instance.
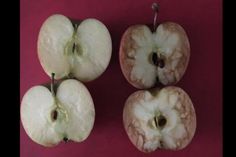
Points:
(65, 139)
(161, 63)
(161, 121)
(155, 58)
(54, 115)
(73, 48)
(157, 79)
(155, 120)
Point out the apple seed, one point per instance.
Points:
(157, 61)
(54, 115)
(155, 58)
(73, 48)
(160, 121)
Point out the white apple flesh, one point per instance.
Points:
(164, 119)
(147, 58)
(83, 51)
(49, 119)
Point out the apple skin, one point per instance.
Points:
(176, 61)
(142, 105)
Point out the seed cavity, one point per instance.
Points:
(157, 61)
(161, 63)
(73, 48)
(54, 115)
(154, 58)
(160, 121)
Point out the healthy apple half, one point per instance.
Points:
(79, 50)
(49, 119)
(154, 57)
(159, 119)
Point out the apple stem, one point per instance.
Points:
(155, 8)
(52, 84)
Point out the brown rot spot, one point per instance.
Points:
(65, 139)
(161, 121)
(54, 115)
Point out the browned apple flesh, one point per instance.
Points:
(164, 120)
(148, 58)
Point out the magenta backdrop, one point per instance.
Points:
(202, 20)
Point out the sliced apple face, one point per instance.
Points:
(49, 119)
(148, 58)
(164, 120)
(82, 51)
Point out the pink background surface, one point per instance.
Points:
(202, 20)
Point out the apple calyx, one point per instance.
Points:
(65, 139)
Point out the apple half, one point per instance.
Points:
(159, 119)
(160, 57)
(49, 119)
(79, 50)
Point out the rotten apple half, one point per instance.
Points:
(154, 57)
(159, 119)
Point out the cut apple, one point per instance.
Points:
(159, 119)
(81, 50)
(49, 119)
(148, 58)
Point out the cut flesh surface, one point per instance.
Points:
(143, 111)
(78, 104)
(95, 43)
(36, 107)
(170, 44)
(83, 50)
(48, 120)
